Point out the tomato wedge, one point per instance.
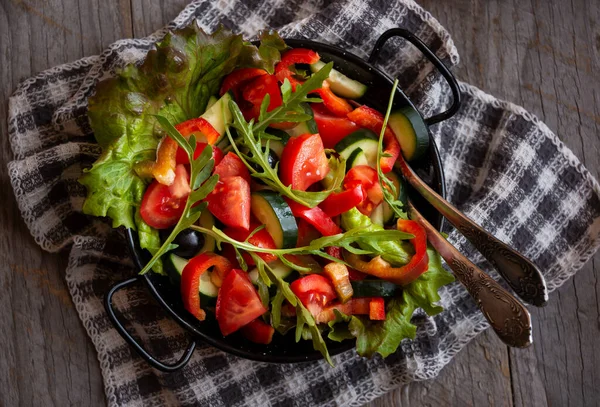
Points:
(339, 202)
(238, 77)
(371, 119)
(182, 157)
(303, 162)
(190, 279)
(180, 188)
(159, 208)
(258, 331)
(366, 177)
(232, 166)
(261, 239)
(255, 91)
(332, 129)
(230, 202)
(314, 291)
(238, 302)
(315, 216)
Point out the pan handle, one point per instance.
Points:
(413, 39)
(185, 358)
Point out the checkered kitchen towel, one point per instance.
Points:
(504, 168)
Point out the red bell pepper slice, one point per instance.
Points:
(339, 276)
(261, 239)
(332, 129)
(291, 57)
(365, 177)
(258, 331)
(371, 119)
(235, 79)
(201, 128)
(316, 217)
(190, 280)
(306, 233)
(303, 162)
(314, 291)
(377, 309)
(335, 104)
(340, 202)
(355, 306)
(238, 302)
(406, 274)
(255, 91)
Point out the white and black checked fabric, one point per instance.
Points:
(504, 168)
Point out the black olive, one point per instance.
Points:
(272, 160)
(189, 242)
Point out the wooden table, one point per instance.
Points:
(543, 55)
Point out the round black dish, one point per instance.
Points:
(284, 349)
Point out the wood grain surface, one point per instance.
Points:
(543, 55)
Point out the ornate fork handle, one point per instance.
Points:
(519, 272)
(508, 317)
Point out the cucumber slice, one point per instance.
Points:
(207, 221)
(219, 115)
(374, 288)
(277, 145)
(211, 101)
(309, 126)
(411, 132)
(357, 157)
(364, 139)
(272, 211)
(207, 289)
(279, 269)
(383, 214)
(340, 84)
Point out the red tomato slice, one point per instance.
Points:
(159, 208)
(315, 292)
(190, 280)
(180, 188)
(332, 129)
(258, 331)
(230, 202)
(182, 157)
(303, 162)
(366, 177)
(261, 239)
(232, 166)
(335, 104)
(238, 77)
(316, 217)
(340, 202)
(201, 128)
(238, 302)
(371, 119)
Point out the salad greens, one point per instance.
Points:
(175, 81)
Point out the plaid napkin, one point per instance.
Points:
(504, 168)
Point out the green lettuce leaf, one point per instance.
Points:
(396, 252)
(175, 80)
(149, 239)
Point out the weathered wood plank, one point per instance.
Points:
(543, 56)
(46, 356)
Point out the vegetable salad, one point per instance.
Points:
(264, 186)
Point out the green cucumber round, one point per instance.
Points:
(374, 288)
(271, 210)
(364, 139)
(411, 132)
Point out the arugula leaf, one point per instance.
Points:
(392, 251)
(251, 135)
(175, 80)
